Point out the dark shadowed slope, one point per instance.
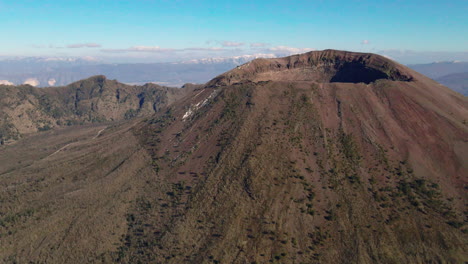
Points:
(291, 169)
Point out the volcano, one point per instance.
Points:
(323, 157)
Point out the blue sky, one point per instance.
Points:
(171, 30)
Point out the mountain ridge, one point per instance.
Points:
(26, 109)
(246, 169)
(58, 71)
(329, 65)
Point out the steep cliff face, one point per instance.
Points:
(25, 109)
(254, 170)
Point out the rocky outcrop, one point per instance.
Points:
(320, 66)
(25, 109)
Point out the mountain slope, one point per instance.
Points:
(296, 170)
(323, 157)
(25, 109)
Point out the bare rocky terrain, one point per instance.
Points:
(26, 109)
(323, 157)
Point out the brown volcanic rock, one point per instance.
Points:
(254, 170)
(300, 170)
(319, 66)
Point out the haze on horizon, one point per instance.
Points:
(165, 31)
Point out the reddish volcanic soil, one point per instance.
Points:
(323, 157)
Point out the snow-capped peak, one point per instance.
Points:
(238, 60)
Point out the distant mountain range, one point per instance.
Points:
(451, 74)
(58, 71)
(456, 81)
(438, 69)
(44, 72)
(234, 60)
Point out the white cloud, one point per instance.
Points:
(415, 57)
(89, 58)
(258, 45)
(57, 59)
(223, 49)
(205, 49)
(231, 44)
(288, 50)
(84, 45)
(32, 81)
(388, 57)
(157, 49)
(52, 82)
(139, 49)
(365, 42)
(52, 46)
(240, 59)
(149, 49)
(6, 82)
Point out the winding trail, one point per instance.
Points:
(99, 133)
(69, 144)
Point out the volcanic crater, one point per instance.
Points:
(328, 66)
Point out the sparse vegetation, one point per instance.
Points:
(263, 172)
